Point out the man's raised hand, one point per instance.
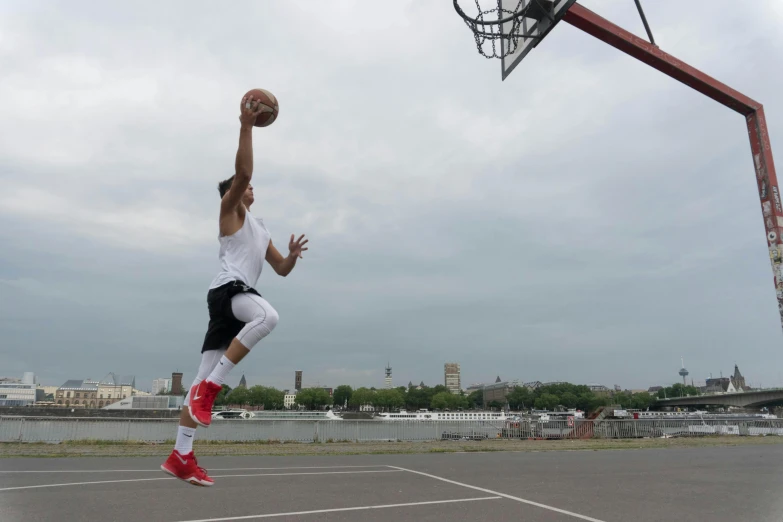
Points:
(250, 109)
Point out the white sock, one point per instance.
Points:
(219, 374)
(184, 444)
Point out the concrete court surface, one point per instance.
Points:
(712, 484)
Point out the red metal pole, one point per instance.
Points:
(769, 193)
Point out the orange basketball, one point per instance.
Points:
(268, 99)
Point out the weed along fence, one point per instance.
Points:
(62, 429)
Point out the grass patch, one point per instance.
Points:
(261, 442)
(97, 442)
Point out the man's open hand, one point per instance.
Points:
(295, 248)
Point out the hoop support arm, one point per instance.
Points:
(589, 22)
(761, 148)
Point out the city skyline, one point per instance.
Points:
(380, 382)
(90, 393)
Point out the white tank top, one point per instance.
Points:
(242, 254)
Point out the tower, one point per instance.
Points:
(298, 380)
(242, 382)
(738, 380)
(176, 383)
(388, 380)
(451, 377)
(683, 372)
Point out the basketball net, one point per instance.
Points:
(488, 25)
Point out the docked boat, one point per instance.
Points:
(455, 416)
(276, 415)
(701, 415)
(232, 414)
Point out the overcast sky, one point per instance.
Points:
(588, 220)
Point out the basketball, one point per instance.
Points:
(268, 99)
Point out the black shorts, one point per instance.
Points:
(223, 326)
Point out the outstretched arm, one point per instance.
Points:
(283, 265)
(243, 164)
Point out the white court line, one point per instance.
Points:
(530, 502)
(158, 469)
(358, 508)
(213, 476)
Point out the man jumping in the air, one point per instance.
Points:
(238, 316)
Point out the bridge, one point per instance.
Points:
(748, 399)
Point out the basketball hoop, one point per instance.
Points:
(509, 26)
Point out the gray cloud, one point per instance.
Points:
(588, 219)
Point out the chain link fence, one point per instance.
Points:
(55, 430)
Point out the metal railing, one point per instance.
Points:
(60, 429)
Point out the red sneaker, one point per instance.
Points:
(185, 467)
(202, 397)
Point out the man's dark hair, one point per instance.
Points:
(224, 185)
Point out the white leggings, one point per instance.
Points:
(259, 318)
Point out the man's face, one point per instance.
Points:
(248, 197)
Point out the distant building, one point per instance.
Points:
(719, 385)
(599, 389)
(161, 386)
(176, 383)
(76, 393)
(451, 377)
(13, 392)
(653, 390)
(28, 378)
(289, 400)
(88, 393)
(113, 387)
(496, 392)
(297, 380)
(738, 381)
(242, 382)
(533, 385)
(47, 390)
(387, 381)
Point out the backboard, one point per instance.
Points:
(534, 28)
